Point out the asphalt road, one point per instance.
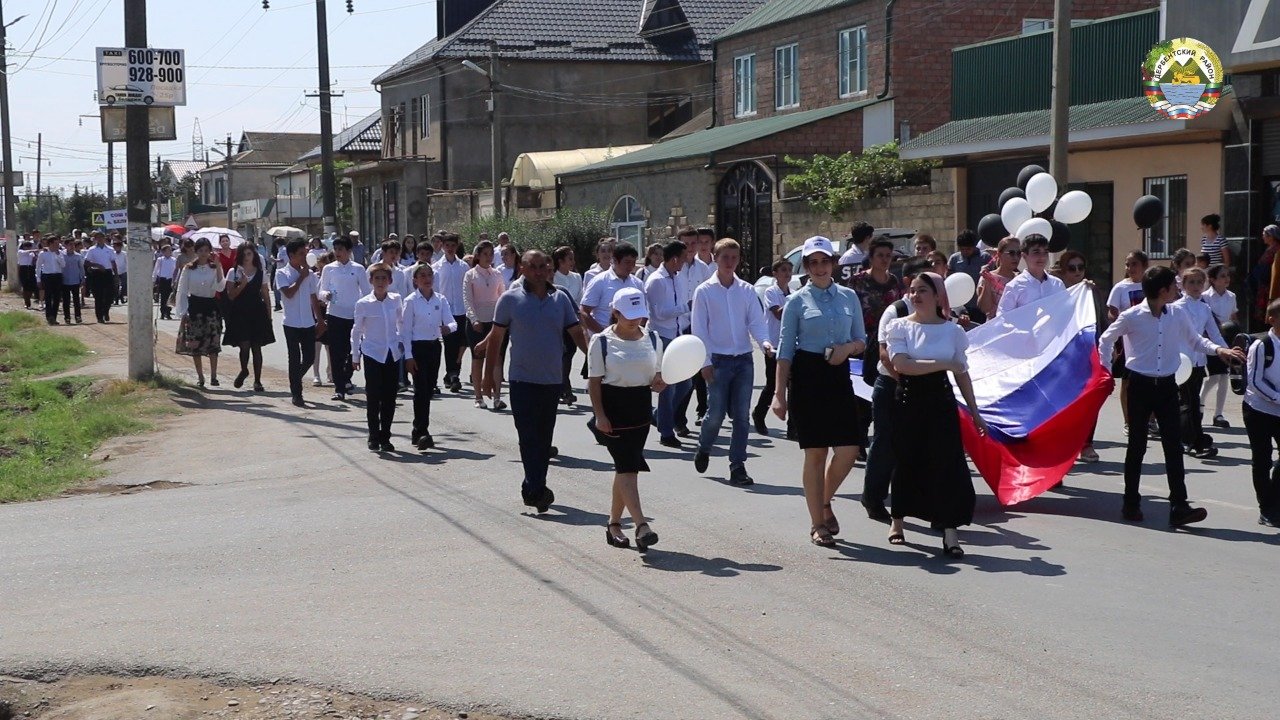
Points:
(295, 553)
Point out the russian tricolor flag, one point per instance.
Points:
(1040, 386)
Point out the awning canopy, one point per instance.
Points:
(538, 170)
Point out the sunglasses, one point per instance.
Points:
(1073, 267)
(1013, 253)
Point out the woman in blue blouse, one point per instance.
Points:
(822, 328)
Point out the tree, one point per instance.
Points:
(81, 206)
(832, 184)
(346, 215)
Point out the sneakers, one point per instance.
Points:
(1184, 514)
(738, 476)
(542, 502)
(317, 382)
(1220, 422)
(1265, 521)
(701, 460)
(338, 397)
(480, 403)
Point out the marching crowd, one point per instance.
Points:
(411, 317)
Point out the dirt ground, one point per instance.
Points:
(99, 697)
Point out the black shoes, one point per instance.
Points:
(542, 503)
(1184, 514)
(1132, 513)
(701, 460)
(671, 442)
(684, 432)
(414, 436)
(876, 510)
(425, 442)
(758, 419)
(297, 401)
(373, 445)
(619, 540)
(645, 537)
(386, 446)
(738, 477)
(214, 381)
(239, 381)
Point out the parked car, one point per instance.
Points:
(121, 93)
(901, 238)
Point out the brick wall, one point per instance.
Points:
(925, 32)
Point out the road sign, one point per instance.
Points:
(160, 123)
(111, 219)
(141, 76)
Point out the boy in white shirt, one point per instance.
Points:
(303, 315)
(1223, 304)
(1197, 442)
(774, 298)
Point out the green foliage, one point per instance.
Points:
(27, 350)
(579, 228)
(81, 206)
(832, 184)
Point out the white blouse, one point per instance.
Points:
(424, 318)
(571, 282)
(376, 330)
(630, 363)
(203, 282)
(944, 341)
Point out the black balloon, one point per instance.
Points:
(1061, 236)
(991, 229)
(1027, 173)
(1009, 194)
(1147, 211)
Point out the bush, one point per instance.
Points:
(579, 228)
(832, 184)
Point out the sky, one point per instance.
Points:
(247, 69)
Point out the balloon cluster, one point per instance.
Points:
(1025, 210)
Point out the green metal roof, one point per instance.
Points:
(705, 142)
(779, 11)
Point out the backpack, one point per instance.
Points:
(1236, 371)
(871, 356)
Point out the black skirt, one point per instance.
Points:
(931, 479)
(822, 403)
(248, 318)
(629, 410)
(475, 337)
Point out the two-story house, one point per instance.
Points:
(801, 78)
(246, 181)
(298, 197)
(568, 74)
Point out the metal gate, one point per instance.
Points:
(744, 212)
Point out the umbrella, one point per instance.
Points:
(287, 231)
(212, 233)
(174, 230)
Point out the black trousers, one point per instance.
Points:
(51, 284)
(426, 354)
(1156, 396)
(337, 337)
(533, 409)
(381, 381)
(1193, 433)
(453, 344)
(682, 409)
(102, 286)
(122, 288)
(770, 385)
(165, 288)
(1264, 434)
(70, 298)
(301, 344)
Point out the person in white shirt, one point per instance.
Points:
(1154, 336)
(652, 261)
(200, 331)
(668, 314)
(1262, 417)
(303, 315)
(696, 271)
(510, 266)
(1034, 283)
(1125, 294)
(437, 247)
(1198, 443)
(449, 273)
(604, 258)
(426, 319)
(27, 253)
(726, 315)
(855, 258)
(342, 283)
(50, 264)
(162, 274)
(1223, 303)
(481, 288)
(774, 298)
(601, 289)
(565, 277)
(100, 272)
(376, 344)
(122, 272)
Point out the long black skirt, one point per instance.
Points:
(931, 479)
(822, 403)
(628, 410)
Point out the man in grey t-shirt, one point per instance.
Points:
(536, 315)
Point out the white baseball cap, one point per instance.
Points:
(630, 303)
(818, 244)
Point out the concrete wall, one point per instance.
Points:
(683, 191)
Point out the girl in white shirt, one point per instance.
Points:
(624, 369)
(200, 329)
(426, 318)
(1223, 304)
(375, 342)
(481, 288)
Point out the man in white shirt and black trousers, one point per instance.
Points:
(342, 283)
(668, 317)
(49, 266)
(100, 272)
(1155, 334)
(303, 315)
(726, 314)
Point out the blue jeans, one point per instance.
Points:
(668, 400)
(729, 391)
(880, 456)
(533, 408)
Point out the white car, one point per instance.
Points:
(900, 237)
(120, 93)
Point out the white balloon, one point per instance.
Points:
(1073, 207)
(1184, 369)
(960, 289)
(1041, 191)
(1035, 226)
(1015, 212)
(684, 357)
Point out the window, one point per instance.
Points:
(390, 196)
(853, 61)
(629, 221)
(424, 116)
(744, 85)
(1031, 25)
(786, 74)
(220, 191)
(1170, 232)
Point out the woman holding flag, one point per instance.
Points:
(935, 485)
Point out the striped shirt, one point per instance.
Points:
(1213, 248)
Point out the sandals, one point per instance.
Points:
(819, 535)
(897, 538)
(619, 540)
(499, 405)
(833, 525)
(645, 539)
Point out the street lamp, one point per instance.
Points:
(495, 132)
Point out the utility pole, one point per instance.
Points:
(138, 153)
(328, 183)
(111, 173)
(495, 131)
(39, 159)
(10, 222)
(230, 220)
(1059, 120)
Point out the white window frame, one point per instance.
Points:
(786, 76)
(853, 61)
(629, 230)
(1169, 234)
(424, 116)
(744, 85)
